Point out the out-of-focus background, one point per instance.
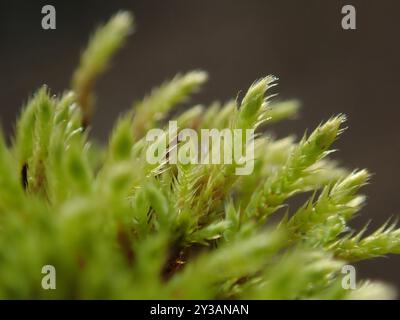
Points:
(328, 69)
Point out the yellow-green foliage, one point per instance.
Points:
(115, 226)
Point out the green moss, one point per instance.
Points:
(115, 226)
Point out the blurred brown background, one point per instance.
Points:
(301, 41)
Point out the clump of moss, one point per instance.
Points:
(115, 226)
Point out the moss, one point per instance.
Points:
(116, 226)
